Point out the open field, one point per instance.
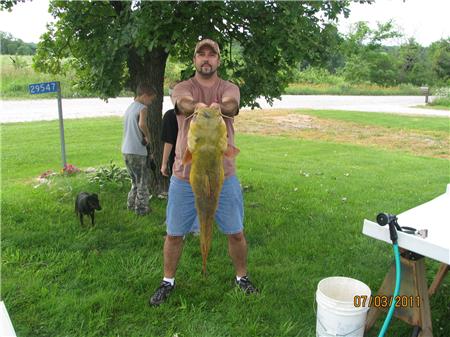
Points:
(415, 135)
(309, 178)
(351, 89)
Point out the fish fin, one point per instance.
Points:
(187, 158)
(231, 151)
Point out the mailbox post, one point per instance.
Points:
(426, 92)
(48, 87)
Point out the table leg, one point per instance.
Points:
(414, 306)
(443, 269)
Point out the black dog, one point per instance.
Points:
(86, 203)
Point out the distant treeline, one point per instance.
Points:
(9, 45)
(363, 57)
(359, 57)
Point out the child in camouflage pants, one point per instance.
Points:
(134, 150)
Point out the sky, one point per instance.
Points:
(425, 20)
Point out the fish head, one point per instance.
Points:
(207, 123)
(207, 131)
(210, 116)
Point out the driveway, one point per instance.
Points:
(47, 109)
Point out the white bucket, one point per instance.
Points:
(339, 312)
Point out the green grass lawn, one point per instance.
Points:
(305, 202)
(386, 120)
(433, 107)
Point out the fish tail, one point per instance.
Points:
(204, 266)
(205, 253)
(206, 224)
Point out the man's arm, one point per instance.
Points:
(229, 106)
(143, 124)
(186, 105)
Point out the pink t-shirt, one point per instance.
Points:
(208, 96)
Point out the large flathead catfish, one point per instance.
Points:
(207, 145)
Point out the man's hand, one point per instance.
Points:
(196, 106)
(215, 106)
(200, 105)
(187, 106)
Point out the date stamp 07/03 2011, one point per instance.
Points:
(383, 301)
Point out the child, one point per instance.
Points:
(134, 150)
(169, 137)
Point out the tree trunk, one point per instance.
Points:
(150, 69)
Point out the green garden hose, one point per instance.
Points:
(384, 219)
(396, 291)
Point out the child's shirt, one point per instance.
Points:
(132, 135)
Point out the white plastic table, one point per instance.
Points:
(6, 327)
(434, 216)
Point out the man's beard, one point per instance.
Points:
(208, 73)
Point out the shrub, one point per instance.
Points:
(313, 75)
(110, 175)
(18, 62)
(442, 97)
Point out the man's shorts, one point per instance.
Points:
(181, 213)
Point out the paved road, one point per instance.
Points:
(46, 109)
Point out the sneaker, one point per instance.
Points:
(161, 293)
(195, 233)
(246, 286)
(163, 195)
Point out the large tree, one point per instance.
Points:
(366, 59)
(415, 65)
(114, 44)
(439, 54)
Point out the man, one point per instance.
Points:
(205, 89)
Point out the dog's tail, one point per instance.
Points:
(76, 207)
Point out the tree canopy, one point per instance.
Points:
(113, 44)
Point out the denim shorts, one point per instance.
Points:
(181, 215)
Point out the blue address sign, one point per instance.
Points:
(43, 88)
